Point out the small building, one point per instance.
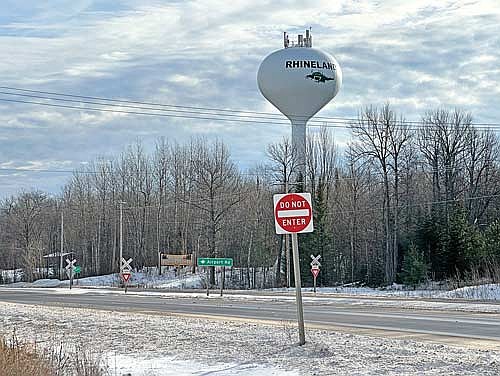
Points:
(53, 263)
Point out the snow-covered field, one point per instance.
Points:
(142, 344)
(168, 280)
(479, 292)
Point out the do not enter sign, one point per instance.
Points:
(293, 213)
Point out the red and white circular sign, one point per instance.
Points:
(293, 213)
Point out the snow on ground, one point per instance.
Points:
(480, 292)
(150, 279)
(142, 344)
(169, 365)
(168, 280)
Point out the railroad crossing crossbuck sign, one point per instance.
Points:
(315, 264)
(293, 213)
(125, 265)
(70, 268)
(315, 261)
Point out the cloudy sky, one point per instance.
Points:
(416, 55)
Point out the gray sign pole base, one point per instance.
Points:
(298, 289)
(222, 276)
(208, 281)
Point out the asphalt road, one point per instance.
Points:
(453, 327)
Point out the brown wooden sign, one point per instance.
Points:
(176, 260)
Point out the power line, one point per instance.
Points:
(140, 112)
(213, 113)
(20, 169)
(420, 204)
(265, 172)
(216, 117)
(140, 102)
(174, 111)
(298, 117)
(188, 111)
(92, 172)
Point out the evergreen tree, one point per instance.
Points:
(491, 247)
(462, 243)
(317, 242)
(428, 236)
(414, 269)
(451, 245)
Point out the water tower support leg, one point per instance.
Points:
(299, 147)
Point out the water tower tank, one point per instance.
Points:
(299, 81)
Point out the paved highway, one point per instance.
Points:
(454, 327)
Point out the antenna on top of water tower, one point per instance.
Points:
(299, 81)
(301, 41)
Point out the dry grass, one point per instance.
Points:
(21, 359)
(18, 359)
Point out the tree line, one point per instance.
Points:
(403, 201)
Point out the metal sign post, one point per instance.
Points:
(293, 215)
(222, 280)
(298, 289)
(208, 282)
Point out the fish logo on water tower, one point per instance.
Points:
(299, 81)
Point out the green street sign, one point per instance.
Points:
(206, 261)
(77, 269)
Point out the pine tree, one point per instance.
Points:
(317, 242)
(414, 269)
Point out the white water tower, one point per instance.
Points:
(299, 81)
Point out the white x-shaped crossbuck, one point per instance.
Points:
(71, 264)
(315, 260)
(126, 265)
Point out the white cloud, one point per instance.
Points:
(417, 55)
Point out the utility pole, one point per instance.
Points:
(287, 246)
(62, 246)
(121, 236)
(158, 239)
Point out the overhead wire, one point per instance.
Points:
(420, 204)
(264, 173)
(217, 117)
(191, 112)
(204, 108)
